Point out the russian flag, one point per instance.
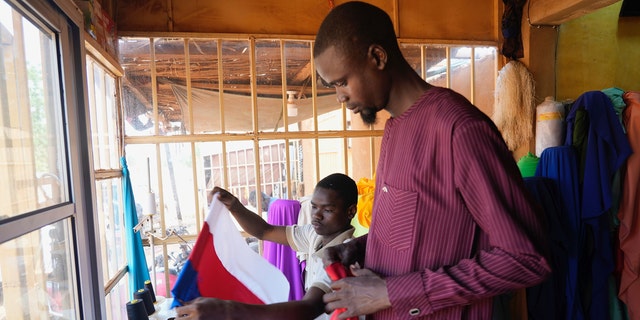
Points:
(222, 265)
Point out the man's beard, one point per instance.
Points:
(369, 115)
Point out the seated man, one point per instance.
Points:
(334, 204)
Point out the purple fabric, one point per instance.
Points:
(284, 213)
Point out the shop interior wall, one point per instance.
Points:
(598, 51)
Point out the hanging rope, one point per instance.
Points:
(514, 104)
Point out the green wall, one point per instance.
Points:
(598, 51)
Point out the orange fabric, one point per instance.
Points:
(629, 213)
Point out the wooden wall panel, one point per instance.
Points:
(553, 12)
(243, 17)
(451, 19)
(250, 16)
(142, 15)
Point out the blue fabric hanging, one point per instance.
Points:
(137, 263)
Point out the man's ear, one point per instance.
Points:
(379, 55)
(352, 210)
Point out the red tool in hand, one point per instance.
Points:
(337, 271)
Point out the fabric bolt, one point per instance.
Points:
(285, 213)
(594, 130)
(629, 213)
(305, 239)
(549, 125)
(137, 263)
(561, 165)
(528, 164)
(449, 233)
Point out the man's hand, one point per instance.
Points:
(229, 200)
(205, 308)
(347, 253)
(364, 293)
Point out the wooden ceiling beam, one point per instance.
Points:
(555, 12)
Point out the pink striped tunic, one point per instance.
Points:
(453, 224)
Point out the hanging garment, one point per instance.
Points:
(602, 146)
(629, 213)
(511, 31)
(138, 270)
(548, 300)
(594, 130)
(561, 165)
(615, 94)
(285, 213)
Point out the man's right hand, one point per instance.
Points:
(205, 308)
(364, 293)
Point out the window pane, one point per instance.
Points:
(298, 71)
(296, 168)
(112, 238)
(461, 70)
(436, 65)
(485, 78)
(178, 185)
(331, 156)
(331, 113)
(309, 163)
(236, 96)
(361, 153)
(269, 86)
(32, 161)
(413, 54)
(240, 171)
(103, 112)
(210, 167)
(177, 256)
(37, 275)
(332, 120)
(273, 173)
(170, 64)
(116, 300)
(137, 99)
(112, 159)
(205, 100)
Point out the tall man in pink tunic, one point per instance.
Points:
(453, 225)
